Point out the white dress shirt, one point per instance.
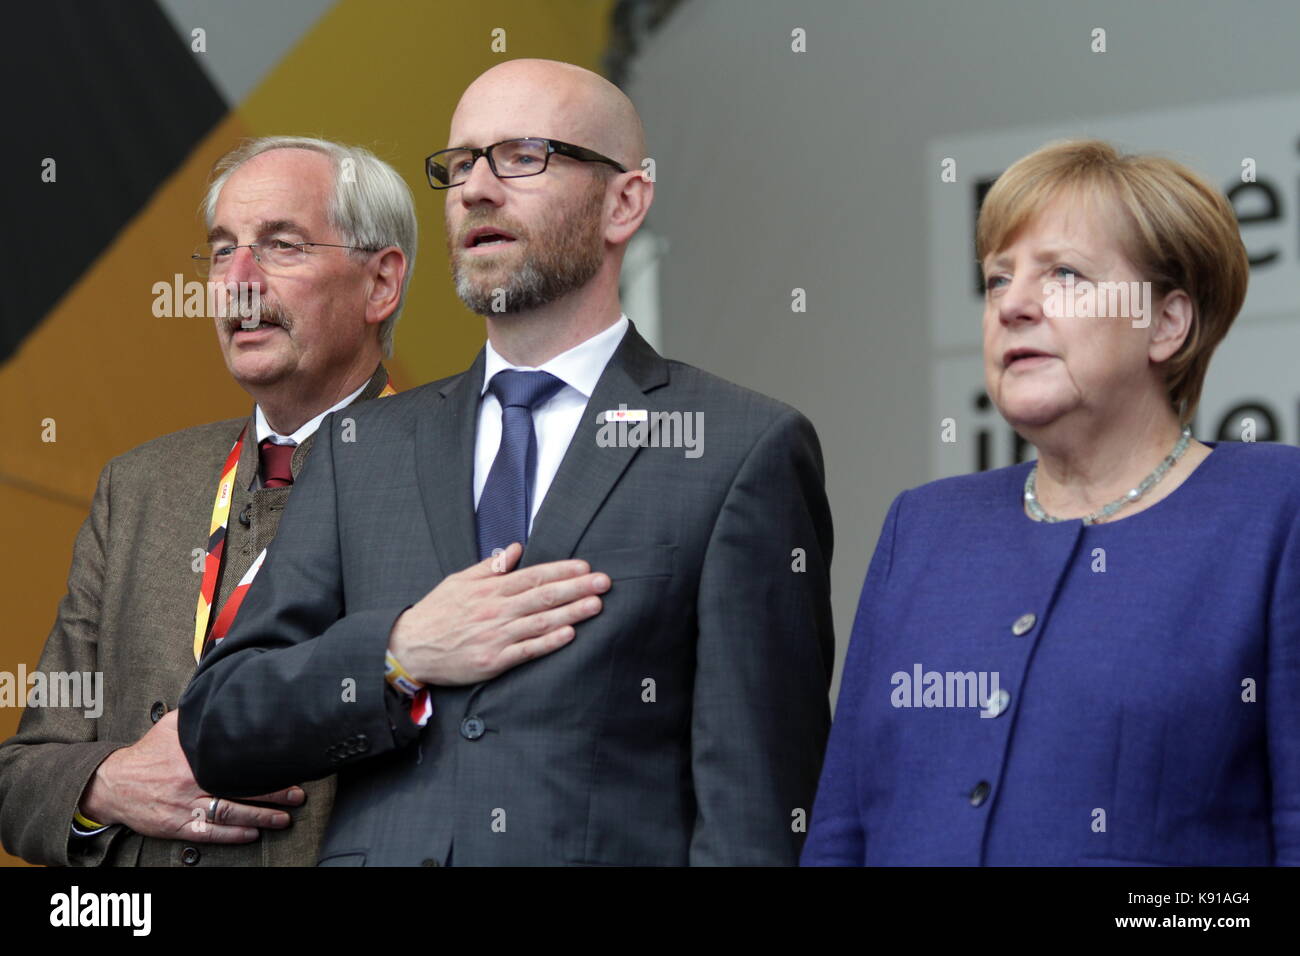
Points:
(554, 421)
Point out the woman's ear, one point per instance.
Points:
(1171, 325)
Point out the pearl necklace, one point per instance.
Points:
(1150, 481)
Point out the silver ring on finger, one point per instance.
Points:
(212, 809)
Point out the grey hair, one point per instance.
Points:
(371, 207)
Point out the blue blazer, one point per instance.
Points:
(1140, 695)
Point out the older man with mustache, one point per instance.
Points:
(328, 256)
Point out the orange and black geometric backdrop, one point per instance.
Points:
(133, 117)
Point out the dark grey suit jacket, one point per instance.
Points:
(683, 724)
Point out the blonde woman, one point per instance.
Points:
(1093, 658)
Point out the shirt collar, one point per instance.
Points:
(264, 430)
(579, 368)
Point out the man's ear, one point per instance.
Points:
(386, 275)
(1173, 318)
(628, 199)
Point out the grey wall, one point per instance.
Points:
(245, 39)
(778, 170)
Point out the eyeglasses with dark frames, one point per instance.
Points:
(508, 159)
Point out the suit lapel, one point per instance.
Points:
(250, 462)
(444, 463)
(589, 472)
(372, 389)
(375, 385)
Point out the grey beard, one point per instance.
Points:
(570, 259)
(528, 288)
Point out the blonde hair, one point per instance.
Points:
(1180, 233)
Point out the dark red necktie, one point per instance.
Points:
(276, 460)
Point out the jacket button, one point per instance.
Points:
(190, 856)
(428, 863)
(158, 711)
(246, 516)
(979, 794)
(997, 704)
(363, 743)
(1024, 623)
(471, 728)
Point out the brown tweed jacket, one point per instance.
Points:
(129, 613)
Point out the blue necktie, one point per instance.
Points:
(507, 498)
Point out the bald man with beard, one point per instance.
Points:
(529, 616)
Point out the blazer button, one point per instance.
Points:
(190, 856)
(246, 516)
(363, 743)
(158, 711)
(429, 863)
(979, 794)
(471, 728)
(1023, 625)
(997, 705)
